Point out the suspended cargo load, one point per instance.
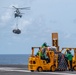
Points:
(16, 31)
(62, 64)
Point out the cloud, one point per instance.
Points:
(7, 14)
(6, 17)
(23, 23)
(67, 36)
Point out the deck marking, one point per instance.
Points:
(22, 70)
(59, 73)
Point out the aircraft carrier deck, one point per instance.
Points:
(23, 70)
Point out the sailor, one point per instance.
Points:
(69, 57)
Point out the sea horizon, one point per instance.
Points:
(14, 59)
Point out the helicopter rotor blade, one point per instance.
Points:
(14, 7)
(27, 8)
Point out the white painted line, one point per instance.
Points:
(13, 69)
(58, 73)
(19, 70)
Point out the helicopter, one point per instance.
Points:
(17, 12)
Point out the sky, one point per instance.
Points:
(37, 24)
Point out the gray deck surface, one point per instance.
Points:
(23, 70)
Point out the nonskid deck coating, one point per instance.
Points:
(22, 69)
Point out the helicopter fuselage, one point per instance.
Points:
(17, 13)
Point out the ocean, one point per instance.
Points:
(14, 59)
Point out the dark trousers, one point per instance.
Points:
(71, 65)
